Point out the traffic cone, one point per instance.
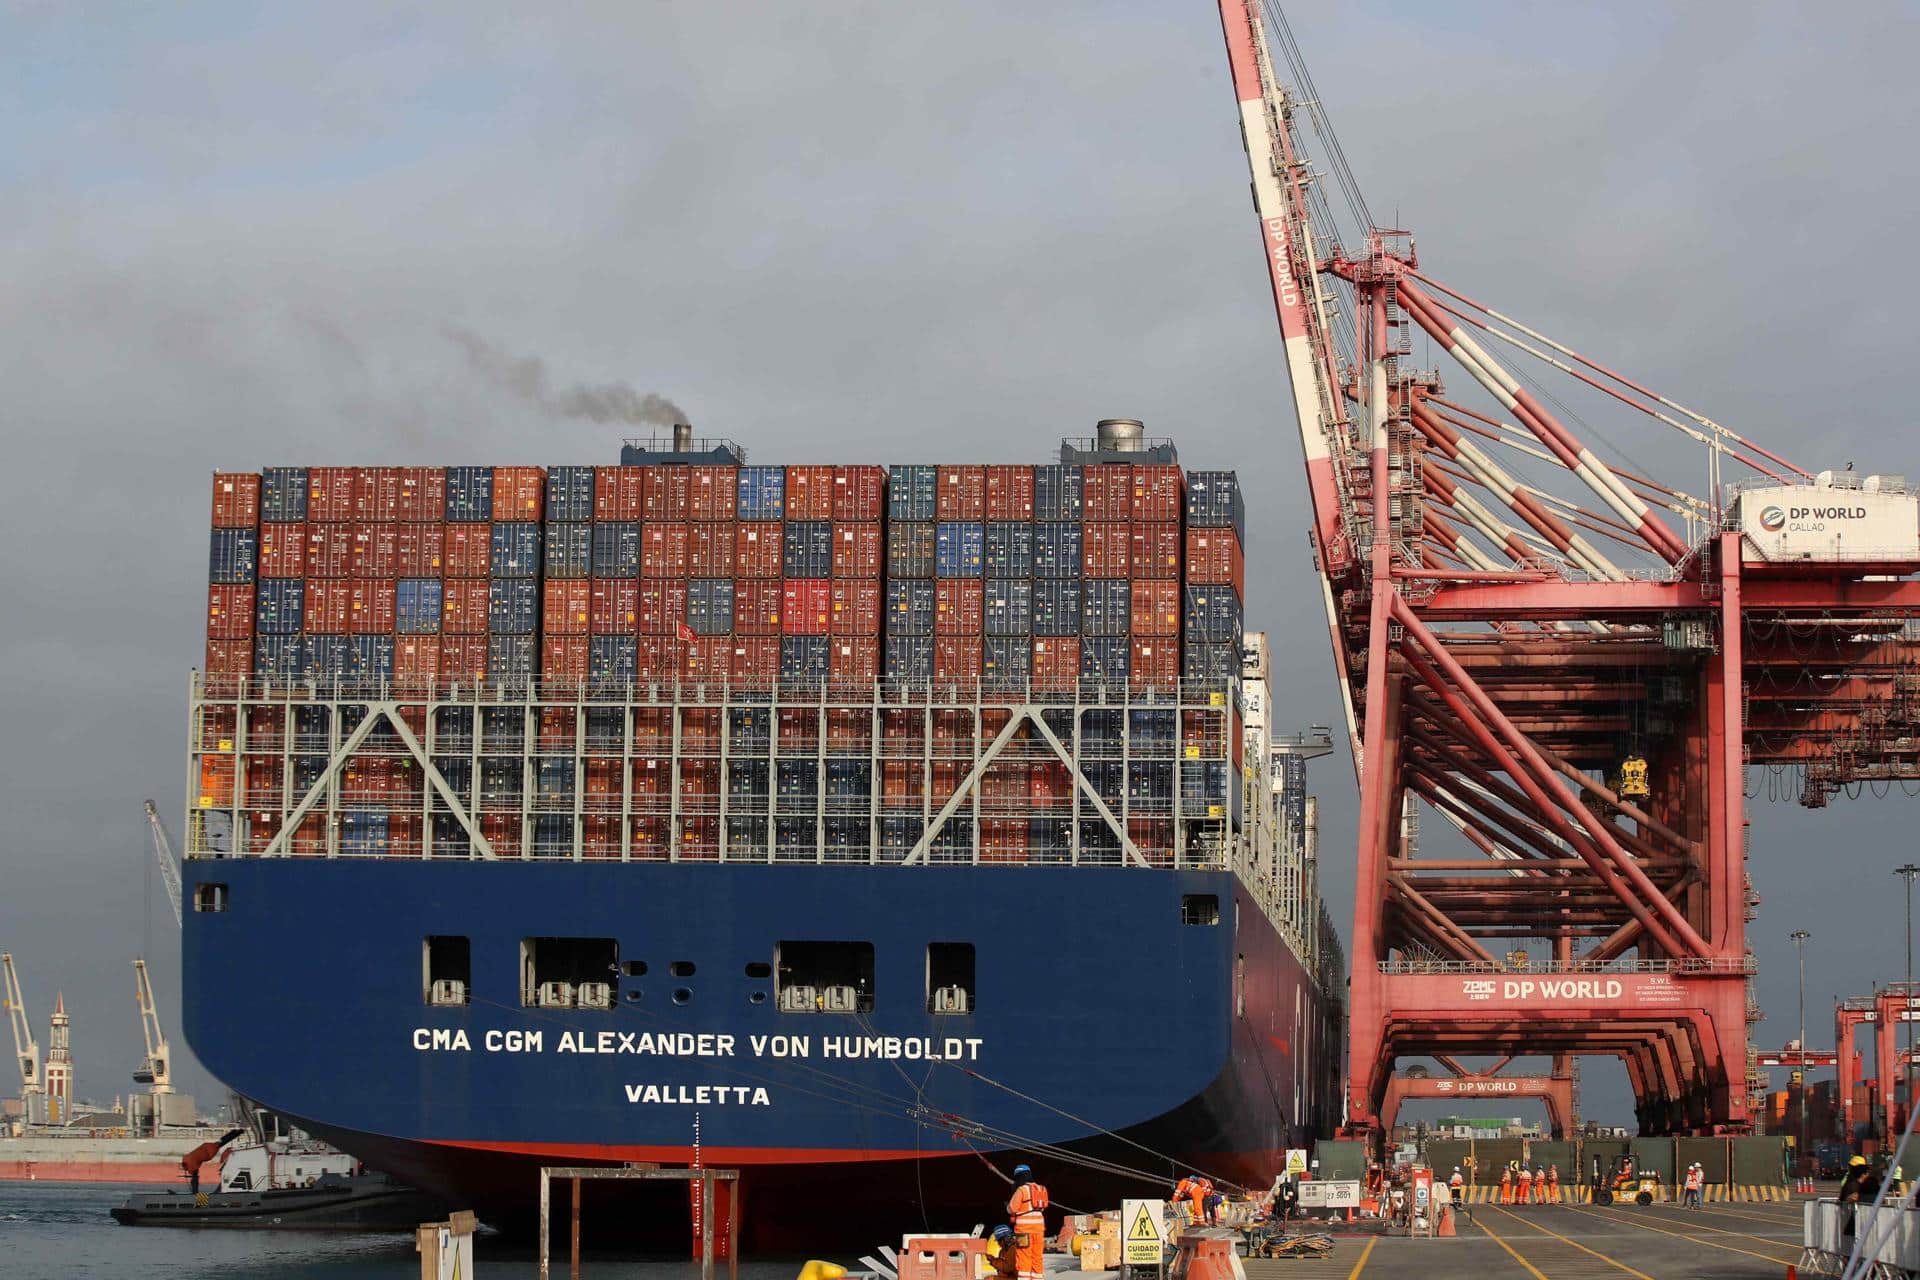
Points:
(1445, 1227)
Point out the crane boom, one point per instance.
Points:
(156, 1070)
(163, 854)
(25, 1050)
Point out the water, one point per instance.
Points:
(61, 1231)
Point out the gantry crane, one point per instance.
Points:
(163, 854)
(1576, 686)
(26, 1050)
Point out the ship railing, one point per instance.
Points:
(1690, 965)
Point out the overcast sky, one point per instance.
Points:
(239, 236)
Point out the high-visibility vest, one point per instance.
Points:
(1028, 1204)
(1694, 1179)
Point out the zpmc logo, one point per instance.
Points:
(1773, 519)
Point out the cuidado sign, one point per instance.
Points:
(1143, 1231)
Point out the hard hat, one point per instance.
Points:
(1003, 1233)
(1022, 1171)
(1857, 1160)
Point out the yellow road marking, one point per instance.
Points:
(1511, 1251)
(1361, 1265)
(1711, 1244)
(1576, 1244)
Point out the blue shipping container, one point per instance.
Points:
(569, 550)
(910, 606)
(1214, 502)
(283, 495)
(363, 833)
(416, 608)
(710, 606)
(278, 657)
(511, 656)
(470, 494)
(912, 492)
(569, 494)
(1059, 492)
(1203, 660)
(234, 555)
(1007, 604)
(910, 550)
(1105, 659)
(1009, 549)
(909, 658)
(1056, 550)
(553, 775)
(959, 547)
(762, 494)
(616, 549)
(513, 606)
(279, 607)
(612, 657)
(1006, 662)
(807, 549)
(326, 655)
(1212, 614)
(803, 658)
(371, 657)
(516, 550)
(1056, 607)
(1106, 607)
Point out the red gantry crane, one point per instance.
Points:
(1577, 667)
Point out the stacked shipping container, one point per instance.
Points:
(1113, 579)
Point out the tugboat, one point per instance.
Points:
(282, 1183)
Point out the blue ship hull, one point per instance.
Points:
(1102, 1023)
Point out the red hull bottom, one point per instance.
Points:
(109, 1171)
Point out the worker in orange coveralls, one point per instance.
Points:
(1193, 1192)
(1506, 1185)
(1526, 1185)
(1553, 1184)
(1027, 1215)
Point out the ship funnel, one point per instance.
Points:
(682, 437)
(1124, 435)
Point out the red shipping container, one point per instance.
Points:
(1107, 493)
(856, 608)
(1056, 664)
(283, 551)
(229, 657)
(423, 495)
(664, 493)
(329, 550)
(376, 550)
(1159, 492)
(1156, 663)
(858, 550)
(859, 493)
(618, 492)
(663, 606)
(502, 831)
(519, 493)
(961, 493)
(600, 835)
(463, 606)
(1009, 493)
(1103, 550)
(809, 493)
(705, 658)
(1156, 608)
(663, 548)
(376, 493)
(469, 550)
(328, 606)
(230, 611)
(710, 548)
(371, 607)
(805, 605)
(420, 550)
(1214, 558)
(564, 606)
(1003, 840)
(854, 660)
(957, 607)
(565, 657)
(756, 606)
(330, 493)
(463, 657)
(1153, 549)
(613, 606)
(416, 659)
(236, 499)
(756, 659)
(757, 549)
(262, 777)
(956, 659)
(656, 658)
(712, 492)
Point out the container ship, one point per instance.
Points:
(860, 827)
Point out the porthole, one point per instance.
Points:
(758, 997)
(682, 995)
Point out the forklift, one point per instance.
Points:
(1622, 1182)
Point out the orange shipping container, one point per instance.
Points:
(330, 550)
(1056, 664)
(376, 493)
(565, 606)
(663, 548)
(328, 607)
(854, 661)
(757, 549)
(1103, 549)
(710, 548)
(705, 658)
(809, 493)
(613, 606)
(1214, 558)
(463, 657)
(469, 550)
(420, 550)
(712, 492)
(1156, 608)
(216, 782)
(856, 608)
(960, 493)
(664, 492)
(663, 606)
(859, 493)
(1155, 663)
(1153, 549)
(956, 659)
(858, 550)
(618, 493)
(283, 550)
(957, 607)
(1107, 493)
(756, 659)
(416, 659)
(463, 608)
(1010, 493)
(519, 493)
(423, 495)
(756, 606)
(372, 606)
(330, 493)
(376, 550)
(1159, 492)
(236, 499)
(229, 657)
(565, 657)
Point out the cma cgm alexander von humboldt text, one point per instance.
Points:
(892, 819)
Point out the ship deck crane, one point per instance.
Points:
(155, 1071)
(26, 1050)
(163, 854)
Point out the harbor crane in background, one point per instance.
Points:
(163, 854)
(26, 1050)
(1575, 666)
(154, 1070)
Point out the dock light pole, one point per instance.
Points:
(1800, 937)
(1907, 873)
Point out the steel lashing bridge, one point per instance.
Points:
(1575, 668)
